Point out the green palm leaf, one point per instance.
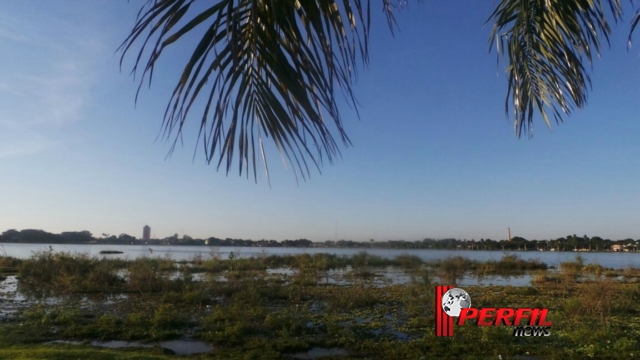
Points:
(634, 23)
(547, 43)
(267, 68)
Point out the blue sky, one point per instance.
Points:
(433, 155)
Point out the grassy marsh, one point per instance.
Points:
(274, 307)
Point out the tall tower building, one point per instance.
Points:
(146, 232)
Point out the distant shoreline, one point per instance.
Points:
(363, 248)
(569, 243)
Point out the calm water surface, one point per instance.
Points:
(612, 260)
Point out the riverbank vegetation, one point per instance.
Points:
(567, 243)
(304, 306)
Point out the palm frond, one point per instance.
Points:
(267, 68)
(546, 42)
(634, 23)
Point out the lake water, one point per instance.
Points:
(615, 260)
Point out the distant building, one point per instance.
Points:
(146, 232)
(616, 248)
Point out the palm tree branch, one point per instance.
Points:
(634, 22)
(269, 66)
(546, 42)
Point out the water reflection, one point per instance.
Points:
(616, 260)
(519, 280)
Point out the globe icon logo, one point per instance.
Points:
(455, 300)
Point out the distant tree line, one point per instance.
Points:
(567, 243)
(43, 237)
(32, 236)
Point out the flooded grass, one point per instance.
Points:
(317, 353)
(305, 307)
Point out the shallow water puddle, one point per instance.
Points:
(316, 353)
(496, 280)
(10, 299)
(184, 347)
(377, 277)
(117, 344)
(115, 298)
(179, 347)
(179, 275)
(9, 289)
(65, 342)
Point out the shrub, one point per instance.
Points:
(408, 261)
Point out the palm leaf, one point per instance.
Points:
(634, 23)
(267, 68)
(547, 43)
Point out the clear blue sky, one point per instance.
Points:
(433, 155)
